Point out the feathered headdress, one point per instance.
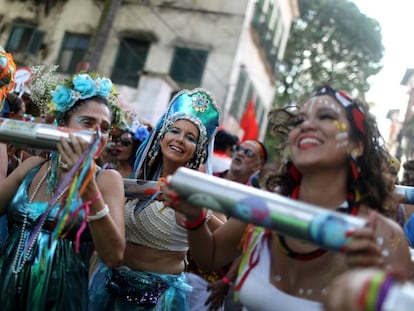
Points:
(198, 106)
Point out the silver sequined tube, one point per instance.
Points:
(37, 135)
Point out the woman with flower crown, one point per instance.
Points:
(333, 161)
(151, 276)
(62, 208)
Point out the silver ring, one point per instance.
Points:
(63, 165)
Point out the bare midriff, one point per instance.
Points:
(143, 258)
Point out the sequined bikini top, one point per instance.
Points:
(154, 226)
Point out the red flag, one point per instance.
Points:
(249, 123)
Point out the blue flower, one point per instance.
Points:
(63, 98)
(85, 85)
(141, 133)
(103, 86)
(3, 61)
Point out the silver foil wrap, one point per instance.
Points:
(37, 135)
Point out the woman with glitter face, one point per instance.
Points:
(151, 276)
(58, 214)
(334, 156)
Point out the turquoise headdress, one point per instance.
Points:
(198, 106)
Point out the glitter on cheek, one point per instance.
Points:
(340, 125)
(342, 139)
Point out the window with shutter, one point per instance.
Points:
(188, 66)
(130, 60)
(72, 52)
(24, 39)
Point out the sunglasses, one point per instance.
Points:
(247, 152)
(124, 142)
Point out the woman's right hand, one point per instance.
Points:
(71, 150)
(172, 199)
(363, 249)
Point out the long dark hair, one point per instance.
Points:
(375, 182)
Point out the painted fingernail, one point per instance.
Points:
(342, 249)
(174, 196)
(349, 233)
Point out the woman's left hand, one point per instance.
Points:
(70, 151)
(363, 249)
(171, 199)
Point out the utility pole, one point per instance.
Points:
(97, 45)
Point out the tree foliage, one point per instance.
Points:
(331, 42)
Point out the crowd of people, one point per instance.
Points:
(71, 240)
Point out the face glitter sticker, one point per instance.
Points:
(342, 140)
(340, 125)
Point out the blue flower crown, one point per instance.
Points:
(82, 86)
(141, 133)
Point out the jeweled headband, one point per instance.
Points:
(354, 112)
(198, 106)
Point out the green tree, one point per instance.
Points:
(331, 42)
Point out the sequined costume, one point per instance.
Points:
(52, 278)
(154, 226)
(126, 289)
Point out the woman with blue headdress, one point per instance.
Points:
(151, 277)
(59, 209)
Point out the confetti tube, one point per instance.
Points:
(37, 135)
(289, 217)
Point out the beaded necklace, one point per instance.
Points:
(349, 209)
(16, 268)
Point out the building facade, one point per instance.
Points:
(404, 139)
(152, 48)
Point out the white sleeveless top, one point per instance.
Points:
(258, 294)
(154, 226)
